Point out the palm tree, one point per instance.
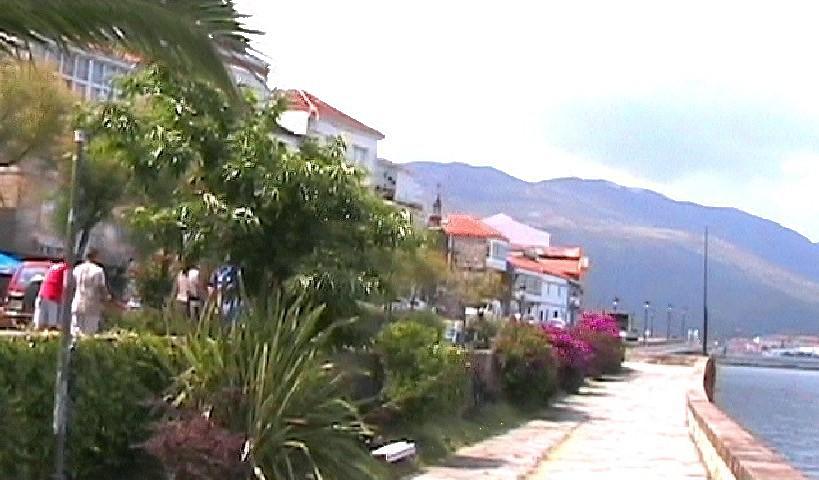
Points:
(186, 35)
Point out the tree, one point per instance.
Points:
(186, 35)
(218, 175)
(102, 181)
(34, 105)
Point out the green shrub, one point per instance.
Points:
(482, 331)
(528, 367)
(265, 379)
(114, 382)
(424, 317)
(424, 375)
(149, 320)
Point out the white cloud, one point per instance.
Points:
(475, 81)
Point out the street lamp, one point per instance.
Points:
(683, 332)
(61, 386)
(519, 296)
(614, 304)
(646, 331)
(668, 324)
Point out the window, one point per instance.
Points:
(498, 250)
(83, 68)
(548, 289)
(68, 65)
(560, 290)
(555, 314)
(99, 72)
(359, 154)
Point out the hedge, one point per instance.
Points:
(115, 381)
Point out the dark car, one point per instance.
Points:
(18, 305)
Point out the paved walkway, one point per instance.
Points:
(635, 430)
(514, 454)
(630, 427)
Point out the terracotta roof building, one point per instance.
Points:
(468, 226)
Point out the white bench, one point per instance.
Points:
(395, 452)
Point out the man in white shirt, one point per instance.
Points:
(90, 294)
(194, 292)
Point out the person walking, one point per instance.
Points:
(89, 296)
(181, 292)
(194, 292)
(47, 305)
(225, 286)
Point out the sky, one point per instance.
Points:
(711, 102)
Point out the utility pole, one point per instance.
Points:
(668, 324)
(705, 297)
(683, 332)
(61, 400)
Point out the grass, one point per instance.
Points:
(440, 436)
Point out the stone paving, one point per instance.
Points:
(514, 454)
(636, 430)
(629, 427)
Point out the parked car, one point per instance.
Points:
(18, 304)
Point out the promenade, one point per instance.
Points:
(631, 426)
(635, 429)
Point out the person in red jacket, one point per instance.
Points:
(47, 306)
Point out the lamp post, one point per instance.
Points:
(519, 295)
(646, 306)
(614, 304)
(683, 332)
(668, 324)
(61, 403)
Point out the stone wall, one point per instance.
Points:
(728, 451)
(469, 252)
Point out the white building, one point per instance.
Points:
(309, 116)
(520, 235)
(541, 296)
(90, 73)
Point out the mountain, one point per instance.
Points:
(764, 278)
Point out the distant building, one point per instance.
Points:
(474, 245)
(546, 278)
(542, 296)
(396, 185)
(520, 235)
(309, 116)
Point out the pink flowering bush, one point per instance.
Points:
(602, 334)
(573, 356)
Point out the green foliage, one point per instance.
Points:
(101, 183)
(216, 176)
(34, 104)
(482, 331)
(424, 374)
(185, 35)
(427, 318)
(266, 378)
(149, 320)
(528, 366)
(154, 281)
(115, 379)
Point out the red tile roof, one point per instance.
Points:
(565, 268)
(468, 226)
(307, 102)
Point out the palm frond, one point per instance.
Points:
(186, 35)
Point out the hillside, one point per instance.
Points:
(645, 246)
